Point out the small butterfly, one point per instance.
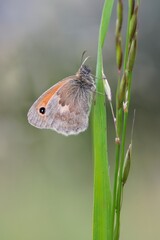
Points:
(65, 107)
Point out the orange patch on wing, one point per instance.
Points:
(49, 94)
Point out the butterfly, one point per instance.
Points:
(65, 107)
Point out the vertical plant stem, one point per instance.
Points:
(102, 186)
(115, 185)
(120, 150)
(122, 153)
(123, 147)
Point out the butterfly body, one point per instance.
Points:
(65, 107)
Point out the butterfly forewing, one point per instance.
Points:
(65, 107)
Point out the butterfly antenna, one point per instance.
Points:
(83, 61)
(82, 57)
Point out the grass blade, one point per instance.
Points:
(102, 188)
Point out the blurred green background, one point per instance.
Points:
(46, 180)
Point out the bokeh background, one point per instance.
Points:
(46, 180)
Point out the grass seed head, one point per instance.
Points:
(132, 55)
(127, 164)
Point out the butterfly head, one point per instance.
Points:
(84, 71)
(85, 78)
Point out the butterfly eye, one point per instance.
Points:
(42, 110)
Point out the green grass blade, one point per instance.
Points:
(102, 188)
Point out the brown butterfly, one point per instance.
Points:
(65, 107)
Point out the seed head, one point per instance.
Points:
(132, 25)
(131, 5)
(120, 14)
(132, 54)
(122, 90)
(107, 87)
(127, 164)
(119, 53)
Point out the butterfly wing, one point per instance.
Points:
(65, 108)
